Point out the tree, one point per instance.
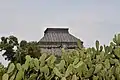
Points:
(23, 48)
(7, 44)
(33, 49)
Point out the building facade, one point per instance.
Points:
(56, 38)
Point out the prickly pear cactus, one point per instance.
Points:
(96, 63)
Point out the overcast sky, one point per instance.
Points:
(88, 20)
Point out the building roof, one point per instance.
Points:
(58, 35)
(64, 30)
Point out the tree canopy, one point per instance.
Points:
(15, 51)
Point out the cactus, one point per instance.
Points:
(50, 61)
(11, 68)
(98, 67)
(99, 63)
(79, 44)
(95, 77)
(61, 65)
(107, 64)
(76, 61)
(36, 63)
(63, 78)
(57, 72)
(19, 67)
(89, 73)
(113, 77)
(13, 76)
(74, 77)
(117, 52)
(116, 39)
(97, 45)
(42, 59)
(69, 70)
(45, 70)
(101, 48)
(33, 76)
(79, 64)
(20, 75)
(26, 65)
(5, 76)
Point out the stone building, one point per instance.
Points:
(56, 38)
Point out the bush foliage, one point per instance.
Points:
(96, 63)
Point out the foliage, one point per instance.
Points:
(8, 44)
(2, 71)
(99, 63)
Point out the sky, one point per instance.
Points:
(88, 20)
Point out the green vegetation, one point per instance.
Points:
(96, 63)
(2, 71)
(8, 44)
